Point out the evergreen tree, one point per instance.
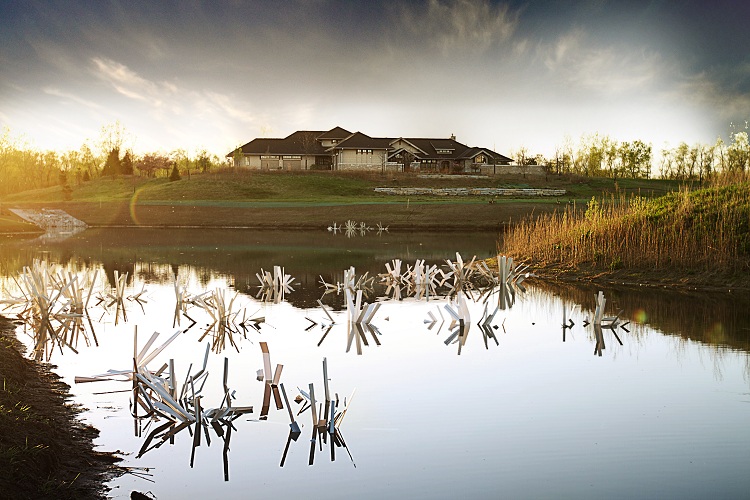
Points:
(126, 166)
(112, 165)
(175, 175)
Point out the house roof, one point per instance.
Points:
(358, 140)
(335, 133)
(431, 147)
(308, 142)
(302, 142)
(498, 158)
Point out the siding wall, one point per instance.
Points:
(256, 162)
(349, 159)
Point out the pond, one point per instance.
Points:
(499, 401)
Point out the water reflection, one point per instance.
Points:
(509, 339)
(162, 407)
(710, 318)
(163, 256)
(53, 304)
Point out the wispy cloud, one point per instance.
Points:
(706, 91)
(130, 84)
(182, 112)
(451, 26)
(579, 62)
(71, 97)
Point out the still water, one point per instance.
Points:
(657, 407)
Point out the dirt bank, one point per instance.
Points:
(45, 450)
(678, 279)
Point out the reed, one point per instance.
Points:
(703, 230)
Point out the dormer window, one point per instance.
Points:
(444, 151)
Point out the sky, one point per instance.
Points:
(216, 74)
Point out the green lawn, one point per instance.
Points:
(316, 187)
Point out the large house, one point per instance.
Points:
(339, 149)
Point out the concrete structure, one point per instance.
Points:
(339, 149)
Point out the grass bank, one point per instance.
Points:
(691, 238)
(313, 200)
(45, 451)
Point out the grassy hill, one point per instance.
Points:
(341, 187)
(312, 199)
(686, 237)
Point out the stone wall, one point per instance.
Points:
(49, 219)
(510, 192)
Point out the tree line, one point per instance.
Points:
(22, 167)
(601, 156)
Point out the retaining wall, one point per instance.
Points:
(511, 192)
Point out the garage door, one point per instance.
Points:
(269, 164)
(292, 164)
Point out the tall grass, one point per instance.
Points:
(701, 230)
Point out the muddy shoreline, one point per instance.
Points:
(46, 451)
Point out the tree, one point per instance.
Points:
(308, 145)
(203, 162)
(150, 163)
(590, 155)
(67, 191)
(705, 161)
(720, 149)
(112, 136)
(666, 167)
(126, 165)
(635, 158)
(680, 157)
(175, 175)
(112, 165)
(237, 156)
(610, 153)
(89, 162)
(405, 158)
(738, 153)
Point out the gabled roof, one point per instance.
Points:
(358, 140)
(302, 142)
(337, 133)
(408, 142)
(430, 147)
(498, 158)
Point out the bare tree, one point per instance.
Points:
(308, 145)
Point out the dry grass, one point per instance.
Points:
(693, 231)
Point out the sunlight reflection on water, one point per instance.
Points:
(533, 412)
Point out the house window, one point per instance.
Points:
(480, 159)
(443, 151)
(364, 151)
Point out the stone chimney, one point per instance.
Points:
(453, 137)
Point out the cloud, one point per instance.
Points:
(183, 114)
(76, 99)
(130, 84)
(706, 91)
(578, 61)
(166, 96)
(461, 26)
